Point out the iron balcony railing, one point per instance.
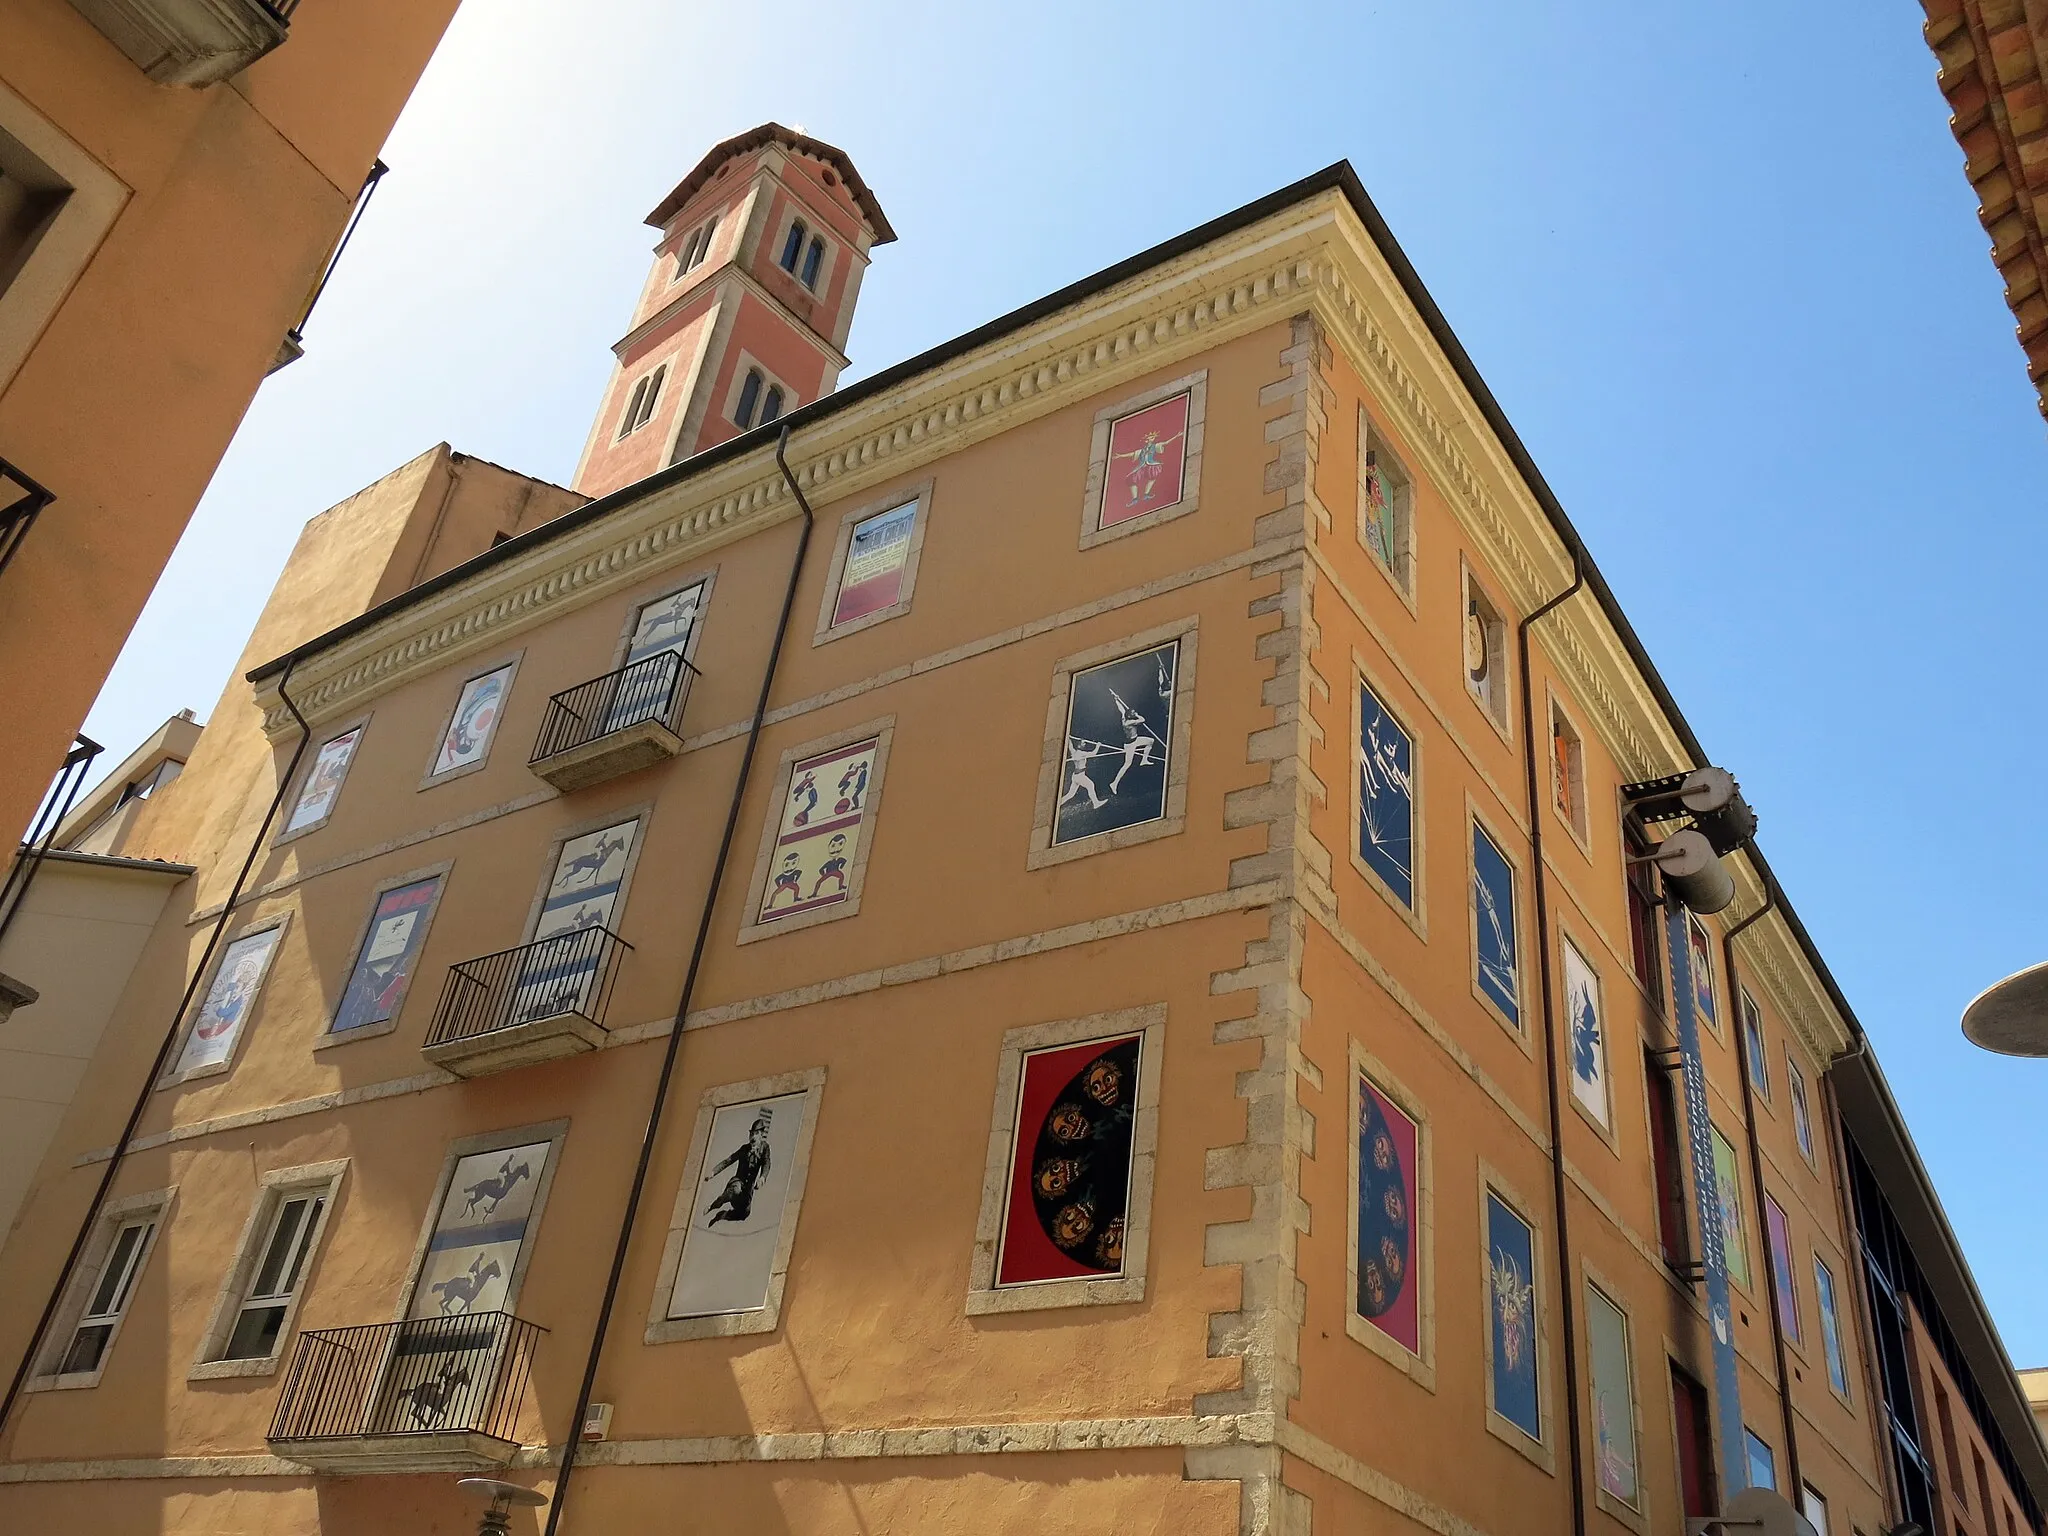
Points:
(567, 973)
(653, 689)
(21, 503)
(464, 1374)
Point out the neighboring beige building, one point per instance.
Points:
(174, 176)
(1156, 1025)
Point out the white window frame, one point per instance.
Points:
(152, 1209)
(274, 1193)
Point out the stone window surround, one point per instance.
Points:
(919, 492)
(1196, 387)
(646, 408)
(745, 362)
(1540, 1451)
(281, 920)
(653, 591)
(305, 772)
(441, 871)
(1591, 1279)
(273, 1189)
(1470, 585)
(553, 1132)
(70, 239)
(512, 659)
(154, 1205)
(1369, 430)
(1421, 1369)
(984, 1296)
(663, 1329)
(1053, 749)
(1580, 828)
(1416, 913)
(883, 731)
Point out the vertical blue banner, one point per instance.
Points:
(1713, 1253)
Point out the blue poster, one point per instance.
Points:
(1493, 925)
(1680, 929)
(1386, 797)
(1119, 724)
(1511, 1305)
(383, 968)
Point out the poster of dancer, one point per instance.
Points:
(228, 1001)
(1148, 452)
(1496, 957)
(819, 835)
(475, 722)
(1386, 797)
(728, 1254)
(1119, 724)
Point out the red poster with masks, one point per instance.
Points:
(1070, 1163)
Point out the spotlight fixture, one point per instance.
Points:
(1690, 859)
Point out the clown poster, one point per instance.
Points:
(819, 835)
(323, 781)
(1147, 462)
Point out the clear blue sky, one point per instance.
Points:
(1721, 267)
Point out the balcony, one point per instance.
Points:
(615, 724)
(433, 1394)
(538, 1002)
(190, 42)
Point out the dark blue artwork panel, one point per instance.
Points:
(1511, 1296)
(1493, 925)
(1386, 797)
(1119, 724)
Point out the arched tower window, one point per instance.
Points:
(793, 247)
(640, 408)
(812, 259)
(750, 398)
(772, 406)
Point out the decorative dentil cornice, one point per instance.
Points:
(1314, 257)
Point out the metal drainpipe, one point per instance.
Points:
(163, 1051)
(1574, 1430)
(1756, 1180)
(675, 1035)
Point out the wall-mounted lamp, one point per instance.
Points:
(1690, 859)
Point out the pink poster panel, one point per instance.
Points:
(1388, 1287)
(1148, 453)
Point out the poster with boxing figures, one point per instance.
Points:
(818, 838)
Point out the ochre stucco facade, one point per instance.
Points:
(1219, 1378)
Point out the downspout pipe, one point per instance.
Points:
(156, 1067)
(666, 1077)
(1565, 1290)
(1745, 1071)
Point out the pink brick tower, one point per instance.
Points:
(745, 313)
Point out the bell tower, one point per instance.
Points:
(746, 311)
